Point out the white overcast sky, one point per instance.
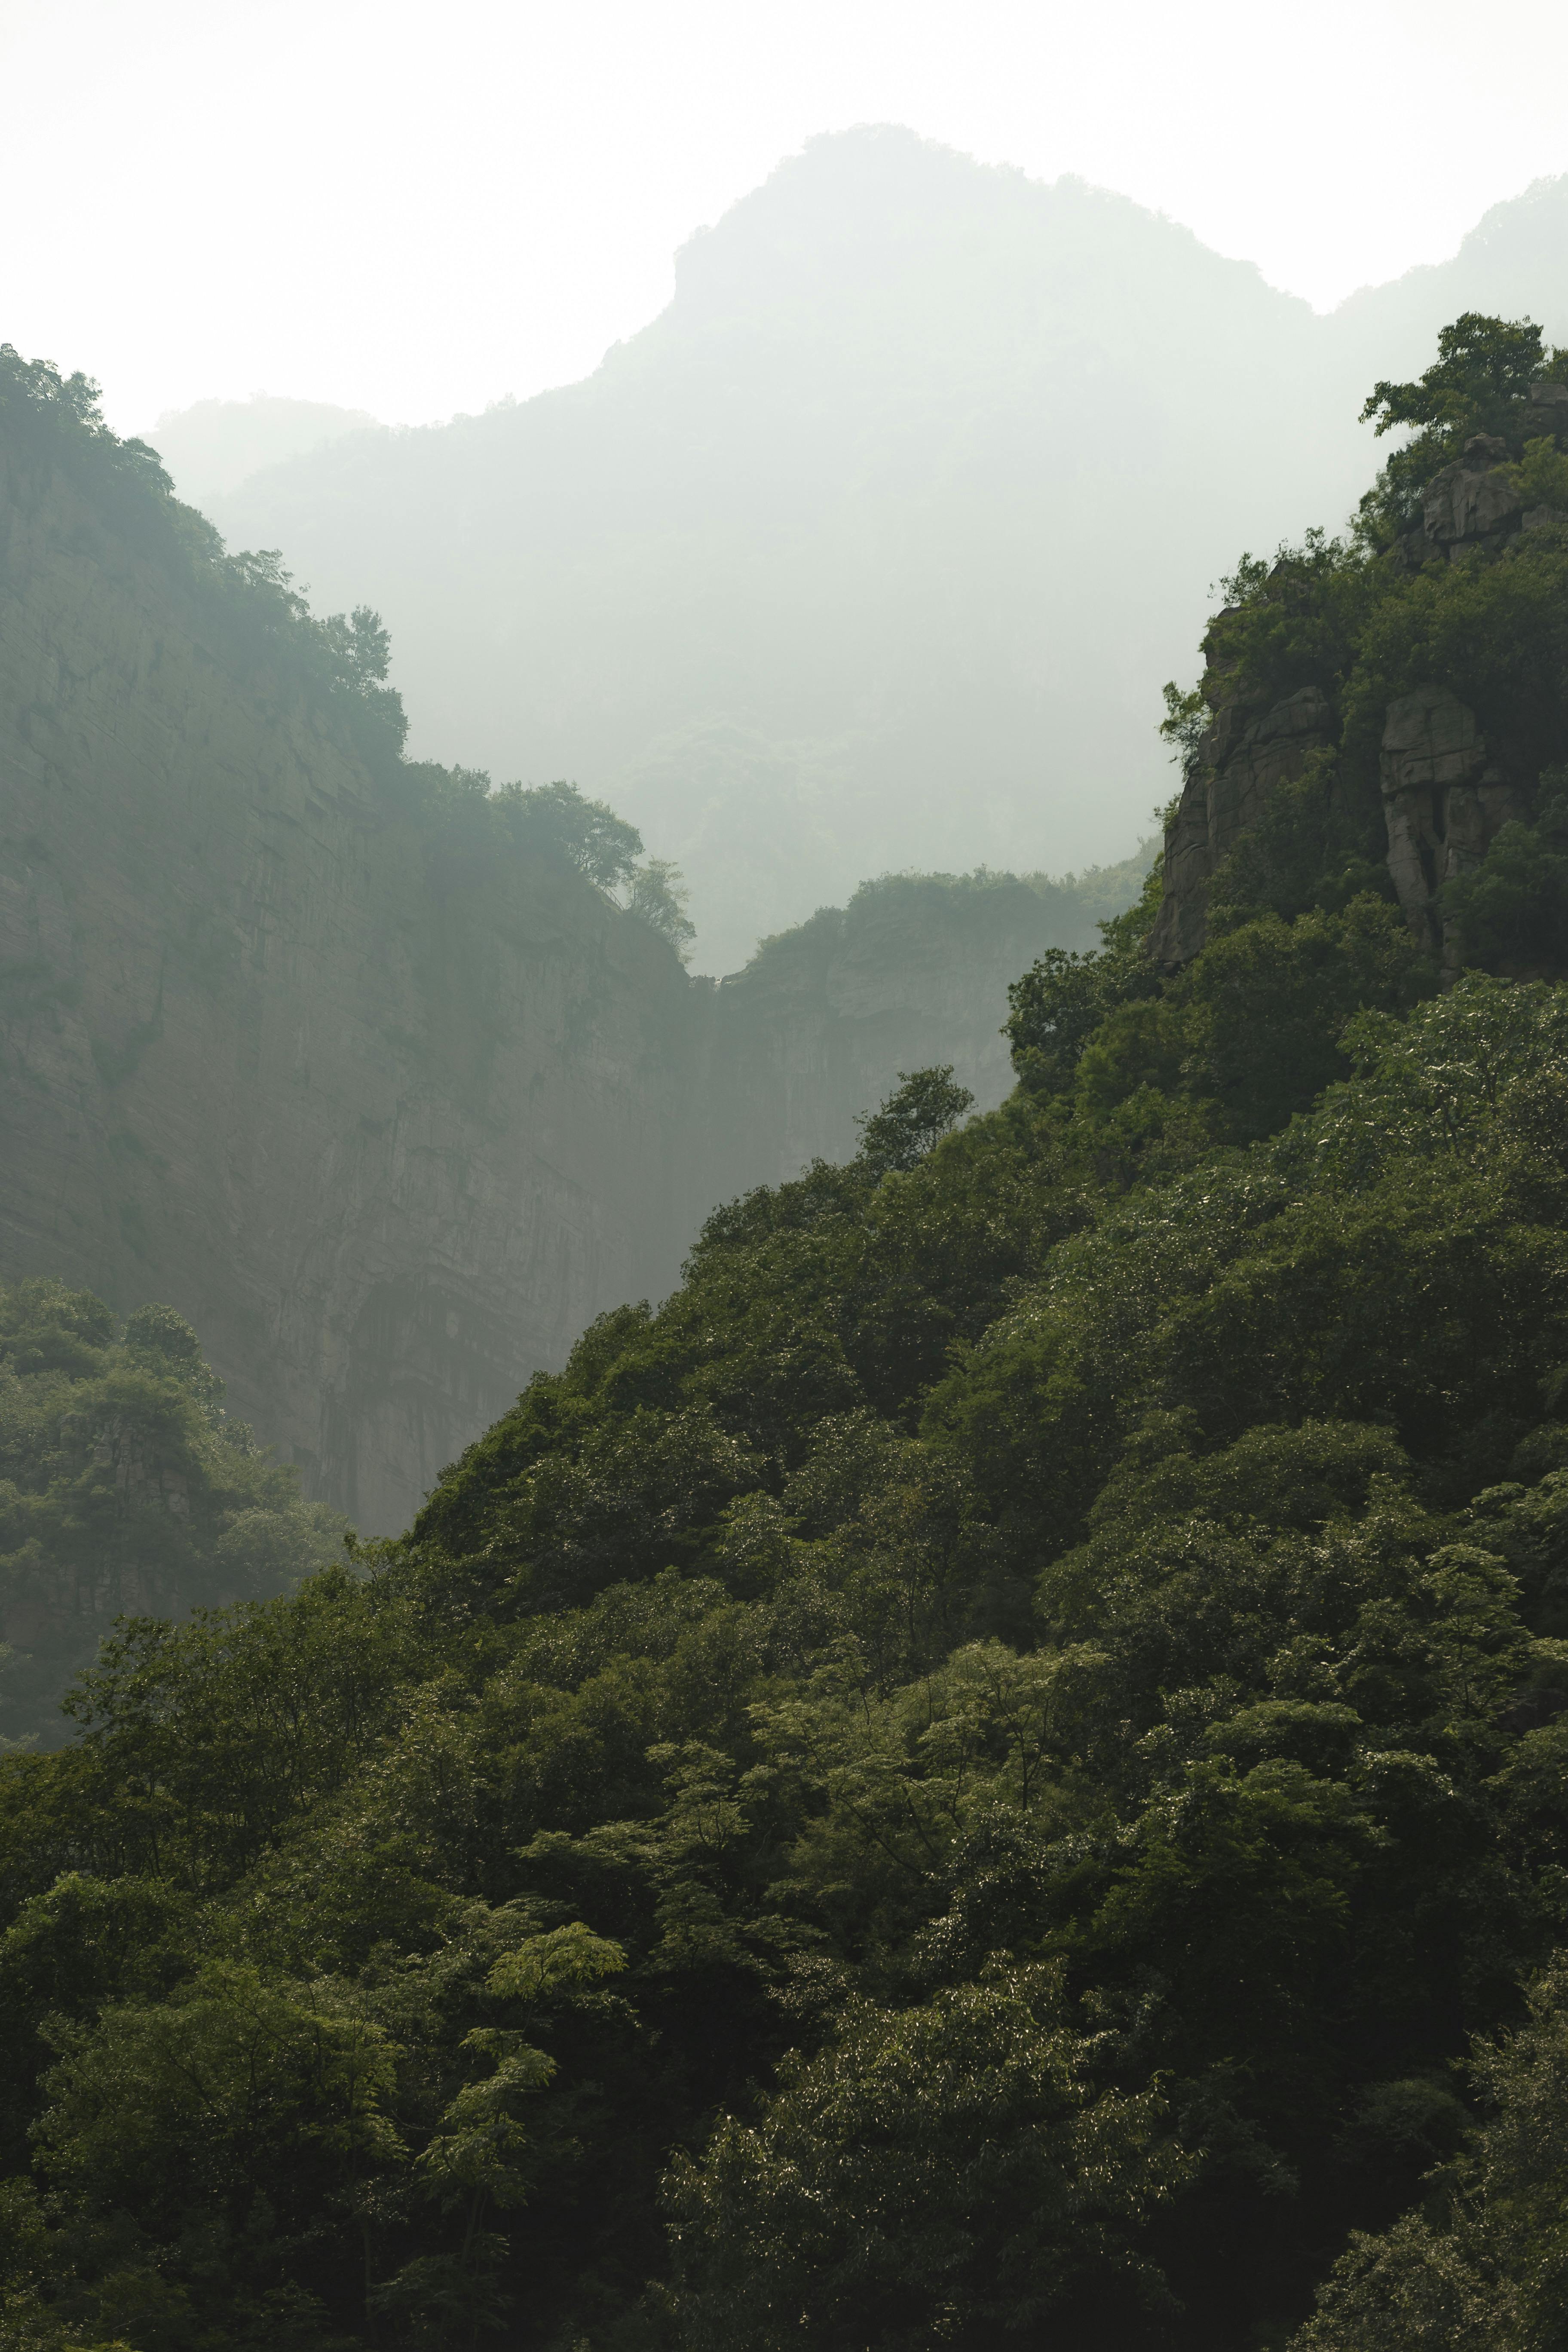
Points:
(416, 209)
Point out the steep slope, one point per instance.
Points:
(820, 1024)
(873, 549)
(126, 1490)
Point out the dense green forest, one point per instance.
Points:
(994, 1770)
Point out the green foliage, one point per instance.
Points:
(926, 1106)
(124, 1487)
(1514, 908)
(1185, 722)
(1484, 367)
(1000, 1743)
(1480, 383)
(1264, 1007)
(1541, 476)
(1296, 621)
(656, 896)
(340, 663)
(1227, 1050)
(1356, 623)
(1488, 2264)
(471, 820)
(941, 2173)
(1491, 631)
(1314, 847)
(228, 2082)
(64, 410)
(1060, 1003)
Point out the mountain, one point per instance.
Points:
(875, 548)
(1513, 264)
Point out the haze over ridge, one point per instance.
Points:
(872, 549)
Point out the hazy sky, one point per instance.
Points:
(415, 209)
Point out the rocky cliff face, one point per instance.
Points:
(1445, 795)
(1444, 801)
(389, 1121)
(1250, 748)
(387, 1127)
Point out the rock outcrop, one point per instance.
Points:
(1474, 502)
(1443, 803)
(1444, 796)
(1244, 754)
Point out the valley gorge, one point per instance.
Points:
(389, 1117)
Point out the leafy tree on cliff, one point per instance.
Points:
(656, 896)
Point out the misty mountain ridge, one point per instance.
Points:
(870, 551)
(216, 445)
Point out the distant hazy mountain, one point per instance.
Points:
(874, 549)
(213, 448)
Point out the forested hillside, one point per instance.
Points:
(994, 1770)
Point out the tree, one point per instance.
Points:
(1484, 368)
(942, 2174)
(656, 896)
(926, 1106)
